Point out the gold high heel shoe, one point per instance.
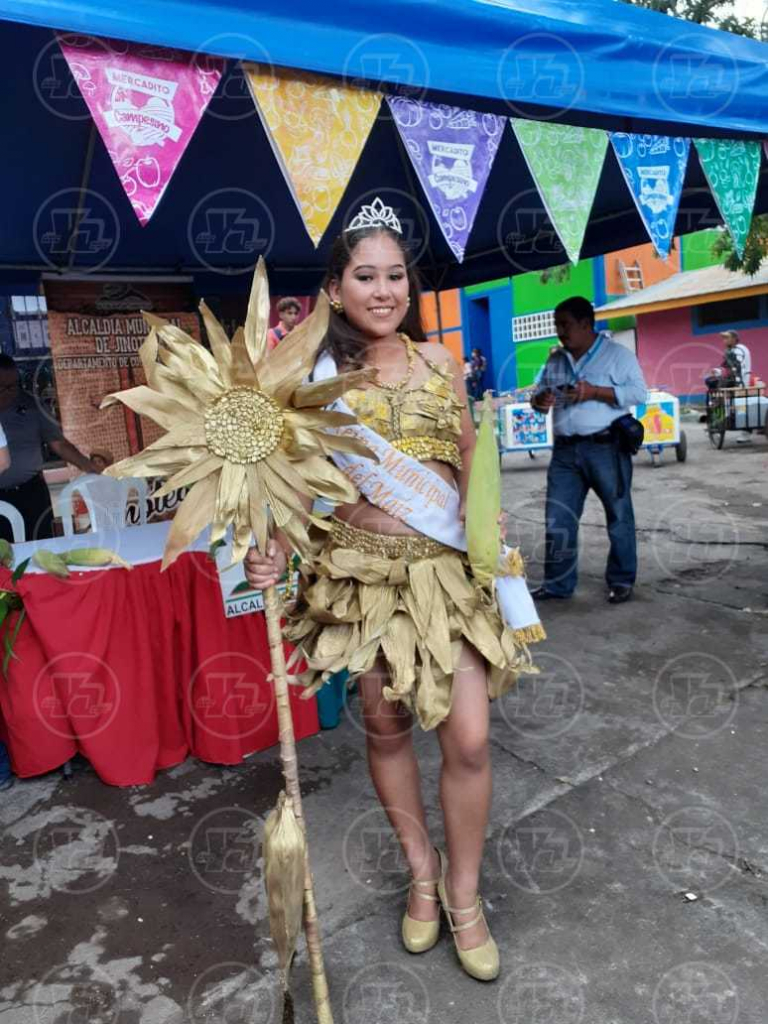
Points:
(481, 962)
(419, 936)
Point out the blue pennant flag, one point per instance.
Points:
(654, 169)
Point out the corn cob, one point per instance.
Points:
(484, 501)
(94, 557)
(50, 562)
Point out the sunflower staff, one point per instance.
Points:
(250, 439)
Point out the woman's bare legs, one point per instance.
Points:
(395, 775)
(465, 789)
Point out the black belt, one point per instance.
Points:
(18, 487)
(601, 437)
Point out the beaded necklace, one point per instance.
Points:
(410, 353)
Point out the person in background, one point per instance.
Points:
(588, 383)
(289, 311)
(28, 427)
(737, 364)
(476, 379)
(737, 360)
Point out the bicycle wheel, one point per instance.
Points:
(716, 429)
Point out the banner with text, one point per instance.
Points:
(452, 151)
(146, 102)
(654, 169)
(732, 168)
(317, 128)
(566, 163)
(95, 340)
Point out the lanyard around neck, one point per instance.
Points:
(591, 353)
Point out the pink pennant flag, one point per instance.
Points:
(147, 102)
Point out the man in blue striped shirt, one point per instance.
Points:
(588, 383)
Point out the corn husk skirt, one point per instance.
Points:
(408, 599)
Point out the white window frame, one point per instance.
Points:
(534, 326)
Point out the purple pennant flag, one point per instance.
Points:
(452, 152)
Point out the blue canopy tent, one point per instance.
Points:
(597, 63)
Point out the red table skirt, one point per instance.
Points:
(136, 670)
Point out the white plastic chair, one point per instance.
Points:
(106, 500)
(15, 518)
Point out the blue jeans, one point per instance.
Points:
(573, 471)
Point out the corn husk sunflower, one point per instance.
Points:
(243, 431)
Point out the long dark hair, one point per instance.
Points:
(345, 342)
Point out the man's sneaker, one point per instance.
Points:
(618, 595)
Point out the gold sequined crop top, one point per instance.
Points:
(423, 422)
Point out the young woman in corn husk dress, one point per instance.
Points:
(397, 608)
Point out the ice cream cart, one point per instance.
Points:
(660, 416)
(522, 429)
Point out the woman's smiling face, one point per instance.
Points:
(374, 286)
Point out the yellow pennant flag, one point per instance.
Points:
(317, 128)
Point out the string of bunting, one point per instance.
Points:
(147, 103)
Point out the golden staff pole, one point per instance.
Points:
(272, 612)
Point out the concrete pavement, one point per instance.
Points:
(626, 873)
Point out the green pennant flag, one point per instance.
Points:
(732, 167)
(565, 163)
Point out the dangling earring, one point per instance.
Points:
(337, 306)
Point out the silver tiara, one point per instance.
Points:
(376, 215)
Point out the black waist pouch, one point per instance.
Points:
(628, 432)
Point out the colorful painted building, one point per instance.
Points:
(511, 320)
(680, 323)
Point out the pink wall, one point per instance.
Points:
(672, 355)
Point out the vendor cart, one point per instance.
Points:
(521, 428)
(660, 416)
(743, 409)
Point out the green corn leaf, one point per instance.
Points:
(20, 569)
(11, 643)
